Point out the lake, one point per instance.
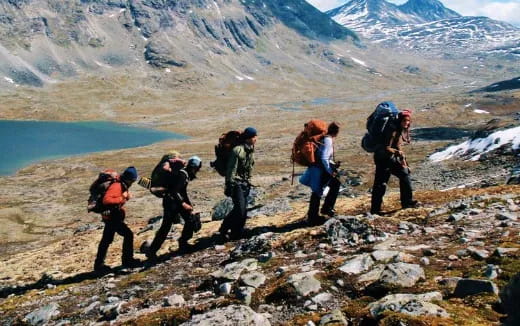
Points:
(25, 142)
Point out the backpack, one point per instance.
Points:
(99, 188)
(160, 177)
(305, 145)
(384, 117)
(223, 149)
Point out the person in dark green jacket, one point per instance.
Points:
(238, 186)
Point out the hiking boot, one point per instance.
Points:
(221, 238)
(102, 269)
(316, 221)
(412, 204)
(185, 248)
(132, 263)
(331, 212)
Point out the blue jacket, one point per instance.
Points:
(315, 174)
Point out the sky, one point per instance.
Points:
(505, 10)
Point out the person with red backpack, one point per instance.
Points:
(390, 159)
(321, 174)
(113, 216)
(176, 204)
(238, 176)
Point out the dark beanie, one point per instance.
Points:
(129, 174)
(249, 132)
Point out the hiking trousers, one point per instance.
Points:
(115, 224)
(172, 212)
(385, 168)
(330, 200)
(236, 219)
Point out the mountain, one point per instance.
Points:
(371, 11)
(428, 10)
(428, 27)
(41, 41)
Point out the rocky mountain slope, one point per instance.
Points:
(44, 41)
(429, 28)
(446, 263)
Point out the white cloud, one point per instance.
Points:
(325, 5)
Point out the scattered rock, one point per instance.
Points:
(455, 217)
(410, 304)
(429, 252)
(245, 293)
(175, 300)
(402, 274)
(351, 231)
(254, 246)
(501, 252)
(233, 315)
(507, 217)
(467, 287)
(280, 205)
(225, 288)
(479, 254)
(222, 209)
(424, 261)
(357, 265)
(145, 246)
(450, 282)
(384, 255)
(253, 279)
(42, 315)
(305, 283)
(322, 299)
(491, 271)
(336, 317)
(232, 271)
(110, 311)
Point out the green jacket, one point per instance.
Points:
(240, 164)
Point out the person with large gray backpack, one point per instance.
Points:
(387, 129)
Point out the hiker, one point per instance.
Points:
(321, 174)
(115, 197)
(238, 176)
(390, 159)
(176, 204)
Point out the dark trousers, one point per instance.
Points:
(384, 168)
(332, 195)
(173, 211)
(115, 224)
(236, 219)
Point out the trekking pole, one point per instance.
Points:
(292, 176)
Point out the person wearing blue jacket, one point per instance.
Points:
(320, 175)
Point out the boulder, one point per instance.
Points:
(466, 287)
(175, 300)
(357, 265)
(222, 209)
(43, 315)
(233, 315)
(305, 283)
(233, 271)
(410, 304)
(384, 255)
(253, 279)
(280, 205)
(245, 293)
(401, 274)
(336, 317)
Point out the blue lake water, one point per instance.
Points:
(26, 142)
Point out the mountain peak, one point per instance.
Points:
(428, 10)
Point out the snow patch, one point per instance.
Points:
(480, 111)
(167, 70)
(473, 149)
(9, 80)
(468, 105)
(359, 62)
(249, 77)
(239, 78)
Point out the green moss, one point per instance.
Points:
(397, 319)
(163, 317)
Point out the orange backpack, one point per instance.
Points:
(307, 142)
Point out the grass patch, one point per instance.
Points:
(163, 317)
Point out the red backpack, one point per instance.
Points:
(223, 149)
(305, 145)
(99, 188)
